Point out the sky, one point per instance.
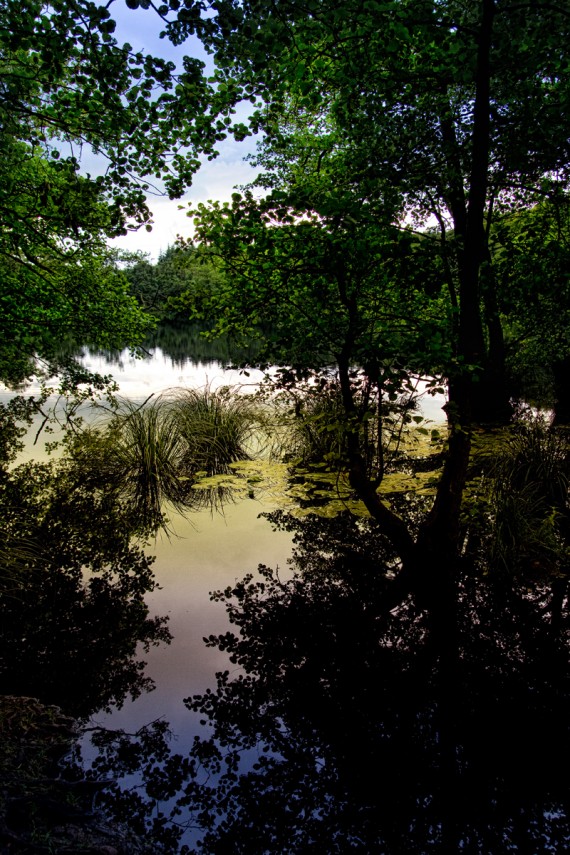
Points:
(215, 180)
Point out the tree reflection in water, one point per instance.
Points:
(331, 734)
(344, 705)
(72, 586)
(337, 729)
(73, 579)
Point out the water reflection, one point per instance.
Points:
(332, 728)
(75, 618)
(178, 340)
(72, 595)
(176, 355)
(138, 378)
(335, 729)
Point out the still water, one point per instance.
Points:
(210, 551)
(373, 745)
(207, 551)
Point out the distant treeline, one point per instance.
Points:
(176, 286)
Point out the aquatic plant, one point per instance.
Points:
(530, 500)
(317, 426)
(218, 428)
(149, 459)
(152, 454)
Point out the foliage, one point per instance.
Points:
(42, 807)
(66, 80)
(218, 427)
(530, 252)
(58, 281)
(16, 416)
(86, 302)
(147, 755)
(380, 120)
(139, 456)
(309, 287)
(316, 431)
(530, 494)
(515, 517)
(68, 89)
(177, 339)
(412, 112)
(377, 117)
(150, 456)
(316, 427)
(395, 82)
(178, 280)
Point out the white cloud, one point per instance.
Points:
(216, 180)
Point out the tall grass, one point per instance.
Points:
(530, 497)
(316, 432)
(318, 427)
(152, 454)
(218, 428)
(148, 460)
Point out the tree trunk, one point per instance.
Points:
(491, 404)
(561, 376)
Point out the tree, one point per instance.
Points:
(530, 258)
(67, 82)
(67, 86)
(449, 105)
(59, 283)
(426, 98)
(420, 110)
(324, 733)
(181, 276)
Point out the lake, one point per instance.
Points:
(344, 717)
(207, 551)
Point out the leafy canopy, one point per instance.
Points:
(320, 288)
(441, 113)
(69, 88)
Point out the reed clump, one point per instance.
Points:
(152, 454)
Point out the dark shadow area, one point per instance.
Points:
(72, 590)
(353, 720)
(73, 580)
(340, 725)
(338, 730)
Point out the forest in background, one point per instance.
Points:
(410, 219)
